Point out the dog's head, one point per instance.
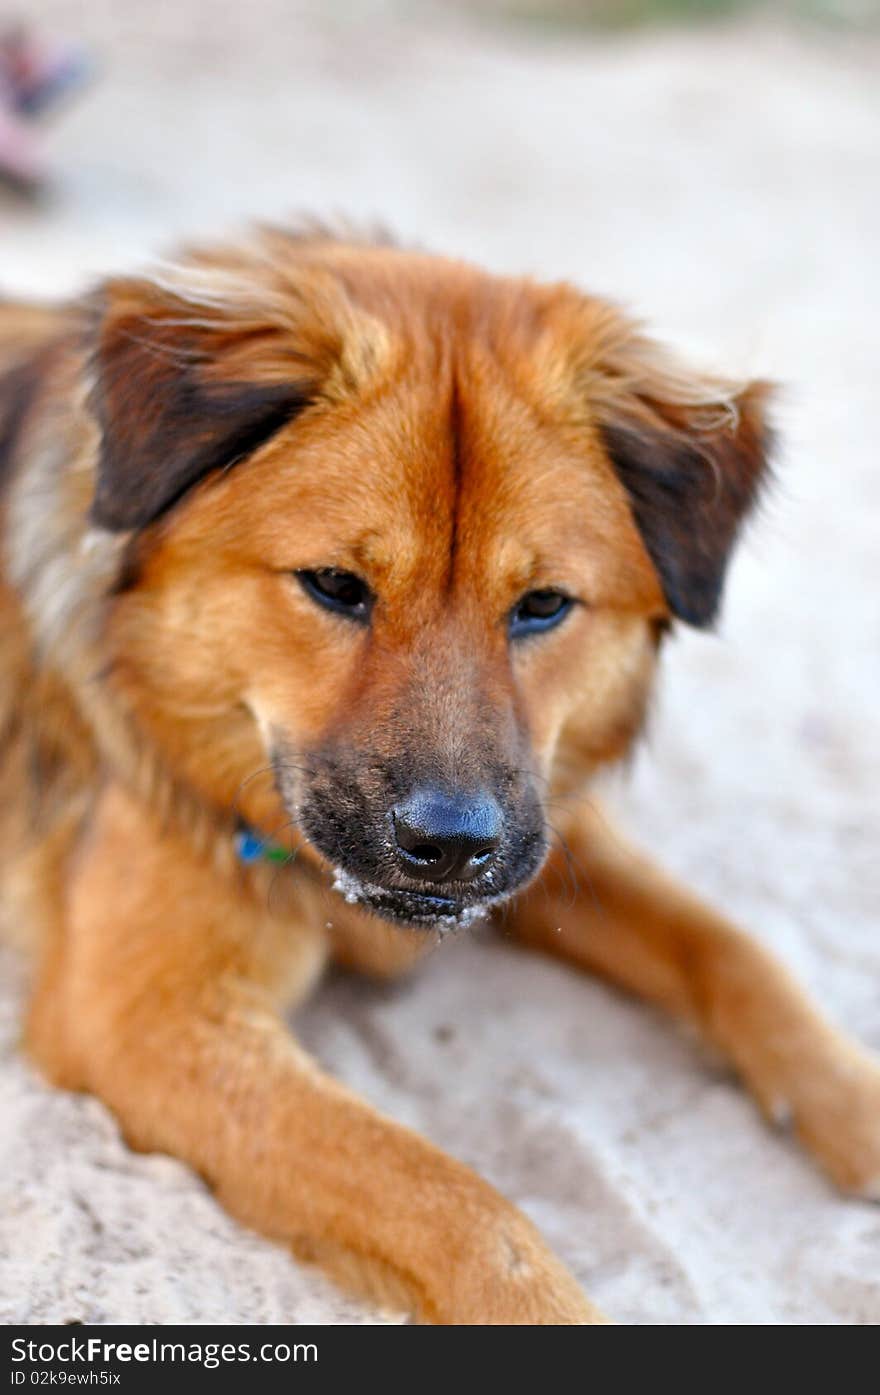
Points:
(401, 541)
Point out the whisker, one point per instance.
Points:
(571, 868)
(273, 768)
(263, 770)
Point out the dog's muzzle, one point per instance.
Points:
(423, 852)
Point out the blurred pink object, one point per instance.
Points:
(35, 72)
(20, 161)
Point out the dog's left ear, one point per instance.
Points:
(183, 386)
(691, 453)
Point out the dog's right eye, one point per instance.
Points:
(337, 590)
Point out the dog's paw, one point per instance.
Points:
(512, 1279)
(836, 1115)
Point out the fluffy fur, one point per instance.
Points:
(174, 450)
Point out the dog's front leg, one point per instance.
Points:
(630, 922)
(162, 997)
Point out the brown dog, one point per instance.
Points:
(322, 564)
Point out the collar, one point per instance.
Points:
(250, 848)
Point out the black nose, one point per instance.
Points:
(447, 838)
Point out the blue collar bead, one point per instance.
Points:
(251, 848)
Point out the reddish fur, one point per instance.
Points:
(449, 443)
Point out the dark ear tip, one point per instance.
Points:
(113, 515)
(692, 594)
(691, 484)
(699, 616)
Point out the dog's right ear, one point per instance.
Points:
(185, 383)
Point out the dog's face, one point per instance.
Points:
(402, 537)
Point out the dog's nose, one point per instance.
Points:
(446, 838)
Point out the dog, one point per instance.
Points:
(325, 567)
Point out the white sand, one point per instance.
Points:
(725, 184)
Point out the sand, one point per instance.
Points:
(724, 184)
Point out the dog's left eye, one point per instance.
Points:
(337, 590)
(538, 610)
